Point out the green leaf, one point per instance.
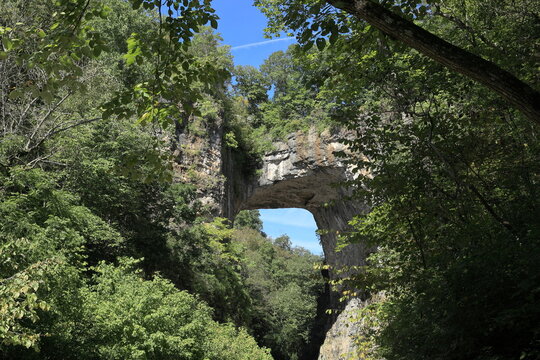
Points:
(8, 44)
(136, 4)
(344, 29)
(17, 93)
(214, 23)
(333, 37)
(308, 45)
(97, 51)
(104, 13)
(134, 50)
(46, 96)
(306, 35)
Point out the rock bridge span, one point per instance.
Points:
(305, 171)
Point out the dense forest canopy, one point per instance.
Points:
(104, 256)
(321, 18)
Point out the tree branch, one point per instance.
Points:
(518, 93)
(53, 132)
(45, 117)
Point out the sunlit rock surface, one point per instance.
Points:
(339, 342)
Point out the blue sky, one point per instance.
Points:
(242, 27)
(297, 223)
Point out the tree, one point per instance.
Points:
(248, 219)
(64, 30)
(283, 242)
(308, 17)
(69, 167)
(284, 288)
(252, 85)
(45, 238)
(447, 202)
(117, 314)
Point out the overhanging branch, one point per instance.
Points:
(515, 91)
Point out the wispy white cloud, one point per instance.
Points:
(261, 43)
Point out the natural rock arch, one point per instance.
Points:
(306, 171)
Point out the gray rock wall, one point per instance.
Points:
(305, 171)
(199, 161)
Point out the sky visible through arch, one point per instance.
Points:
(242, 27)
(297, 223)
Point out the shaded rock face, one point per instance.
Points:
(307, 171)
(199, 161)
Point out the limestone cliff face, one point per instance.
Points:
(339, 342)
(349, 330)
(199, 161)
(305, 171)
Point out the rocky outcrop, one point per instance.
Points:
(351, 336)
(300, 173)
(306, 171)
(198, 155)
(340, 343)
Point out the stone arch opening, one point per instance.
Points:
(304, 171)
(298, 224)
(319, 193)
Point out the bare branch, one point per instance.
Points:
(53, 132)
(45, 117)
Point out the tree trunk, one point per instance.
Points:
(515, 91)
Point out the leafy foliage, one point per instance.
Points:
(148, 318)
(257, 121)
(284, 288)
(248, 219)
(451, 175)
(81, 189)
